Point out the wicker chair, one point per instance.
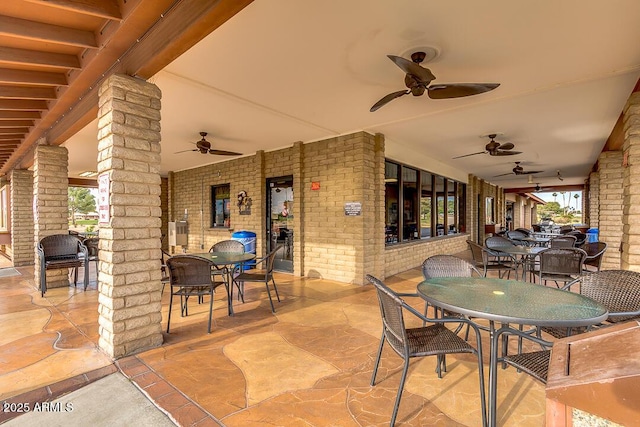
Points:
(595, 252)
(534, 363)
(432, 340)
(516, 237)
(561, 265)
(191, 276)
(483, 259)
(62, 251)
(233, 247)
(265, 275)
(566, 241)
(581, 237)
(618, 290)
(566, 229)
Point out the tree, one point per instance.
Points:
(80, 201)
(554, 196)
(576, 196)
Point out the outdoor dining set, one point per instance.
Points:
(557, 290)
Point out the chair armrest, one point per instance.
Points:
(625, 314)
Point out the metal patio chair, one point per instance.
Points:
(566, 241)
(432, 340)
(561, 265)
(233, 247)
(262, 276)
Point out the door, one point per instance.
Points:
(280, 210)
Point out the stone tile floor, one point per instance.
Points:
(308, 365)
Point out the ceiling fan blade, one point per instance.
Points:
(458, 90)
(467, 155)
(424, 75)
(224, 153)
(184, 151)
(505, 153)
(506, 146)
(529, 172)
(389, 98)
(503, 174)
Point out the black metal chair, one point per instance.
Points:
(517, 237)
(483, 259)
(264, 276)
(191, 276)
(62, 251)
(561, 265)
(534, 363)
(233, 247)
(581, 237)
(432, 340)
(566, 241)
(92, 249)
(595, 252)
(617, 290)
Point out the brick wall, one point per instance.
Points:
(631, 185)
(22, 238)
(611, 206)
(129, 267)
(400, 258)
(51, 203)
(594, 200)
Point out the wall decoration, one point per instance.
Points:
(244, 203)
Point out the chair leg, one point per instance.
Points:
(86, 274)
(405, 369)
(375, 366)
(169, 315)
(210, 310)
(273, 310)
(275, 288)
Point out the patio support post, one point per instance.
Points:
(50, 204)
(631, 163)
(611, 206)
(128, 171)
(22, 217)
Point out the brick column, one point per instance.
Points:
(611, 203)
(22, 217)
(129, 278)
(631, 217)
(299, 191)
(50, 204)
(594, 200)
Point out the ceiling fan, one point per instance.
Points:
(494, 148)
(518, 170)
(204, 147)
(559, 175)
(418, 78)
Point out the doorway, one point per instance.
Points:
(280, 211)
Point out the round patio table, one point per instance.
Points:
(509, 302)
(223, 260)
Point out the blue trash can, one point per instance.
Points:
(592, 235)
(248, 239)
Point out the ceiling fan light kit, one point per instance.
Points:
(418, 81)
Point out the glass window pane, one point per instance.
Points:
(426, 198)
(391, 196)
(452, 208)
(410, 203)
(220, 205)
(440, 209)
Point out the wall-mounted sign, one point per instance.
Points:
(103, 198)
(352, 208)
(315, 185)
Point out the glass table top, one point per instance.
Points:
(512, 301)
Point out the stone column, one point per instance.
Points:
(631, 163)
(129, 277)
(50, 204)
(611, 204)
(22, 217)
(594, 200)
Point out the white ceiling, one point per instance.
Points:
(303, 70)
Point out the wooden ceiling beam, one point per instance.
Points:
(4, 115)
(11, 136)
(21, 104)
(27, 92)
(8, 75)
(31, 30)
(103, 8)
(4, 131)
(12, 55)
(17, 123)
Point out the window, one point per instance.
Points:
(421, 205)
(220, 209)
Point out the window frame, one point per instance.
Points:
(226, 205)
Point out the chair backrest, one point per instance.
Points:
(618, 290)
(566, 241)
(58, 245)
(189, 270)
(566, 229)
(580, 237)
(536, 228)
(231, 246)
(595, 252)
(392, 318)
(447, 266)
(497, 241)
(561, 261)
(476, 252)
(92, 245)
(270, 259)
(524, 231)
